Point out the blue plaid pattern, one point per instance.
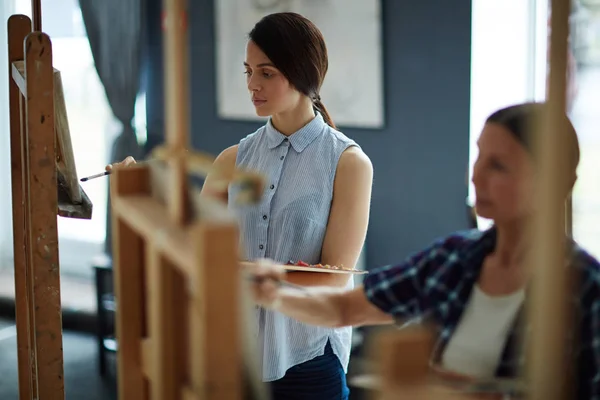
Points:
(435, 285)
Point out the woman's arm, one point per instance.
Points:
(321, 306)
(224, 162)
(348, 220)
(393, 292)
(330, 307)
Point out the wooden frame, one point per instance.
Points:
(180, 311)
(176, 257)
(37, 280)
(44, 185)
(169, 245)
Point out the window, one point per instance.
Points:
(509, 50)
(89, 121)
(92, 126)
(585, 114)
(508, 61)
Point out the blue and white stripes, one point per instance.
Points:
(289, 224)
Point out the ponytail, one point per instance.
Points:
(319, 106)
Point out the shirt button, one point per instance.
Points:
(272, 186)
(261, 247)
(281, 158)
(264, 217)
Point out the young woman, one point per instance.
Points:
(316, 205)
(471, 284)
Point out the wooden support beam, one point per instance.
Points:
(550, 308)
(36, 13)
(128, 264)
(19, 26)
(218, 371)
(177, 101)
(40, 178)
(168, 327)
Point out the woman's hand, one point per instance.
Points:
(265, 276)
(125, 163)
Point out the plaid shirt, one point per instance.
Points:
(436, 284)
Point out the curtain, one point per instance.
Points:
(115, 29)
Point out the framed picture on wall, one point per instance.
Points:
(353, 88)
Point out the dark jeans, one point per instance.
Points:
(321, 378)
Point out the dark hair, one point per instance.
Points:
(296, 47)
(521, 120)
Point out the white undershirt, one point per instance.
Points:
(476, 346)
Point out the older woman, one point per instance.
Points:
(471, 284)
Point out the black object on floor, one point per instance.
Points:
(82, 380)
(106, 307)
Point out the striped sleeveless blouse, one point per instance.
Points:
(289, 224)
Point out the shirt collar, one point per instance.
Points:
(299, 139)
(473, 254)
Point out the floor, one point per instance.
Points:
(82, 381)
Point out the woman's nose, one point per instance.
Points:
(253, 84)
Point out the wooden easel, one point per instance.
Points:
(177, 276)
(403, 356)
(164, 260)
(44, 184)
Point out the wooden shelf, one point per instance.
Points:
(67, 209)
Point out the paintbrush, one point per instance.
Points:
(105, 173)
(87, 178)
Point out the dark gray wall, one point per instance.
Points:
(420, 158)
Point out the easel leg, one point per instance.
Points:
(19, 26)
(41, 209)
(129, 290)
(28, 272)
(167, 322)
(216, 302)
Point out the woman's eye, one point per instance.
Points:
(498, 166)
(267, 74)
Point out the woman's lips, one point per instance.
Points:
(258, 102)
